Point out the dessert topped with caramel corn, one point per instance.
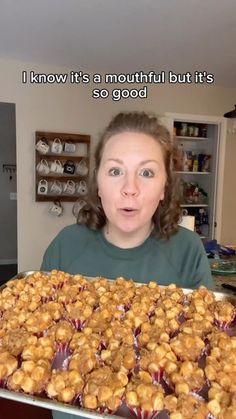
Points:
(62, 333)
(65, 386)
(158, 360)
(8, 364)
(187, 377)
(174, 293)
(117, 333)
(152, 334)
(39, 348)
(86, 339)
(187, 347)
(15, 340)
(84, 360)
(224, 312)
(143, 395)
(101, 343)
(32, 377)
(104, 389)
(222, 404)
(78, 313)
(186, 406)
(122, 358)
(221, 361)
(88, 295)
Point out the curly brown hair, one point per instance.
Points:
(167, 215)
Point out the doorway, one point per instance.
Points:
(8, 193)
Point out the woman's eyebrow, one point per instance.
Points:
(140, 164)
(148, 161)
(116, 160)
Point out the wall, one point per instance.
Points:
(70, 108)
(8, 229)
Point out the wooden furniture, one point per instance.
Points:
(81, 146)
(10, 409)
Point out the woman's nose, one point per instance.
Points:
(130, 186)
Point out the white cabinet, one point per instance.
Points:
(201, 140)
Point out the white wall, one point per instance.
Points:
(70, 108)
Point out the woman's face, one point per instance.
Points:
(131, 182)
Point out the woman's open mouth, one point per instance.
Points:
(128, 211)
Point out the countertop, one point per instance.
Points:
(224, 279)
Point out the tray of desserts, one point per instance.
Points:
(92, 347)
(223, 267)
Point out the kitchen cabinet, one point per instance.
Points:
(201, 141)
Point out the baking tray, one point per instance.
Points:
(75, 410)
(53, 405)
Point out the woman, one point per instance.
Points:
(130, 227)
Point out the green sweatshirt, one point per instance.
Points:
(180, 260)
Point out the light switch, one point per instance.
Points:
(13, 196)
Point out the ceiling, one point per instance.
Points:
(123, 36)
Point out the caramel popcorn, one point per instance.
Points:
(65, 386)
(84, 360)
(187, 347)
(104, 389)
(8, 364)
(39, 348)
(62, 332)
(221, 362)
(101, 285)
(224, 312)
(142, 393)
(122, 358)
(151, 335)
(14, 341)
(202, 294)
(198, 326)
(38, 322)
(118, 333)
(185, 406)
(78, 313)
(86, 339)
(32, 377)
(99, 321)
(107, 341)
(89, 296)
(157, 360)
(55, 309)
(187, 377)
(12, 320)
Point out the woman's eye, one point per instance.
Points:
(147, 173)
(115, 171)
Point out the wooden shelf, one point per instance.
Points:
(179, 137)
(194, 205)
(192, 173)
(50, 136)
(61, 197)
(62, 178)
(82, 152)
(62, 156)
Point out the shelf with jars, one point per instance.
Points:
(188, 130)
(201, 142)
